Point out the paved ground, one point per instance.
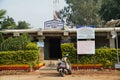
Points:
(53, 75)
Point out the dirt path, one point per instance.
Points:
(53, 75)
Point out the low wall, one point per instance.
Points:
(87, 66)
(20, 67)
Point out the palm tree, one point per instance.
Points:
(2, 13)
(23, 25)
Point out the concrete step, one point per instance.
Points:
(50, 65)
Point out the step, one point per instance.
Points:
(51, 63)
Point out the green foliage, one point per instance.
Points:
(23, 25)
(17, 43)
(8, 23)
(1, 38)
(105, 56)
(81, 12)
(110, 9)
(1, 41)
(68, 48)
(19, 50)
(31, 46)
(19, 57)
(2, 13)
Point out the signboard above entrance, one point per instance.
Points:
(53, 24)
(85, 32)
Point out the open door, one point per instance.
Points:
(52, 48)
(55, 50)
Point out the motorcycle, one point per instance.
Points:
(64, 67)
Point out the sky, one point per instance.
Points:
(35, 12)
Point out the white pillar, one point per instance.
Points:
(41, 48)
(112, 42)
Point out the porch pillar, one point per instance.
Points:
(112, 42)
(41, 48)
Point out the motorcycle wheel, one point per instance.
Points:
(62, 74)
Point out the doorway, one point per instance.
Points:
(53, 49)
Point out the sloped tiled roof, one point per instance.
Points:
(113, 23)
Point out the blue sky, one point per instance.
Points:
(35, 12)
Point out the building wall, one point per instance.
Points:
(101, 41)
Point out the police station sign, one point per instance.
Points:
(56, 24)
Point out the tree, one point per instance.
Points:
(23, 25)
(1, 40)
(81, 12)
(2, 13)
(8, 23)
(110, 9)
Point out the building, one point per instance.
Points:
(53, 38)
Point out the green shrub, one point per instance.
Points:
(19, 57)
(31, 46)
(105, 56)
(68, 48)
(16, 43)
(18, 50)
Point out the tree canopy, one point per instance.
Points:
(9, 23)
(15, 43)
(23, 25)
(110, 9)
(81, 12)
(2, 13)
(90, 12)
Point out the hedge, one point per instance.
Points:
(105, 56)
(19, 57)
(15, 43)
